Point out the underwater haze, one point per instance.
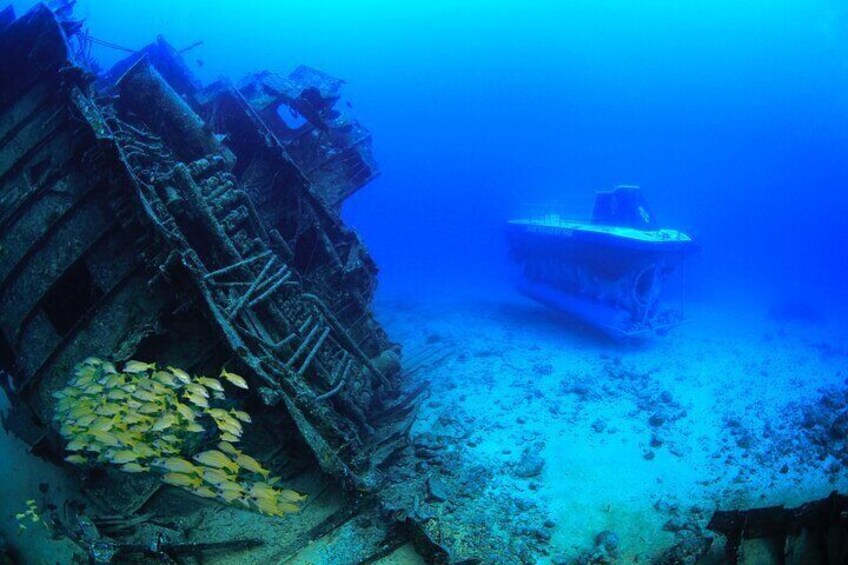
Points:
(567, 446)
(731, 116)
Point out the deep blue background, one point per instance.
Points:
(732, 115)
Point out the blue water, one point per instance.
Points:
(732, 116)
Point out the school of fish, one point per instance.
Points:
(144, 419)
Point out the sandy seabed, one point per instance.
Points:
(637, 444)
(634, 443)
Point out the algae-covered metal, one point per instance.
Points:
(146, 216)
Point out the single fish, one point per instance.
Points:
(232, 428)
(123, 456)
(234, 379)
(247, 462)
(116, 394)
(243, 416)
(230, 438)
(149, 408)
(164, 423)
(186, 412)
(228, 448)
(76, 459)
(106, 438)
(177, 465)
(213, 458)
(167, 379)
(184, 377)
(286, 508)
(145, 395)
(197, 389)
(134, 468)
(292, 496)
(215, 476)
(197, 400)
(211, 384)
(86, 420)
(194, 428)
(76, 444)
(180, 480)
(134, 366)
(205, 492)
(230, 495)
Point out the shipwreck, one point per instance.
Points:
(144, 215)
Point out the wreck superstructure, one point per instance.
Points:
(129, 227)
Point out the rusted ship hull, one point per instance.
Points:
(128, 228)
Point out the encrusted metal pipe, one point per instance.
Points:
(314, 351)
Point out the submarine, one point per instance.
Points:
(609, 272)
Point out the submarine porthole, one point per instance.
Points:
(646, 286)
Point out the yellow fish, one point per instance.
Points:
(93, 361)
(243, 416)
(213, 458)
(167, 379)
(194, 428)
(123, 456)
(180, 374)
(93, 389)
(76, 459)
(115, 381)
(108, 368)
(230, 495)
(232, 428)
(234, 379)
(164, 448)
(197, 400)
(180, 480)
(212, 384)
(110, 410)
(164, 423)
(177, 465)
(186, 412)
(218, 395)
(286, 508)
(217, 413)
(117, 394)
(228, 448)
(215, 476)
(205, 492)
(138, 367)
(149, 408)
(101, 425)
(76, 444)
(106, 438)
(145, 395)
(263, 490)
(292, 496)
(86, 420)
(80, 410)
(229, 438)
(196, 389)
(133, 468)
(247, 462)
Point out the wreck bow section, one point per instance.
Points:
(129, 227)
